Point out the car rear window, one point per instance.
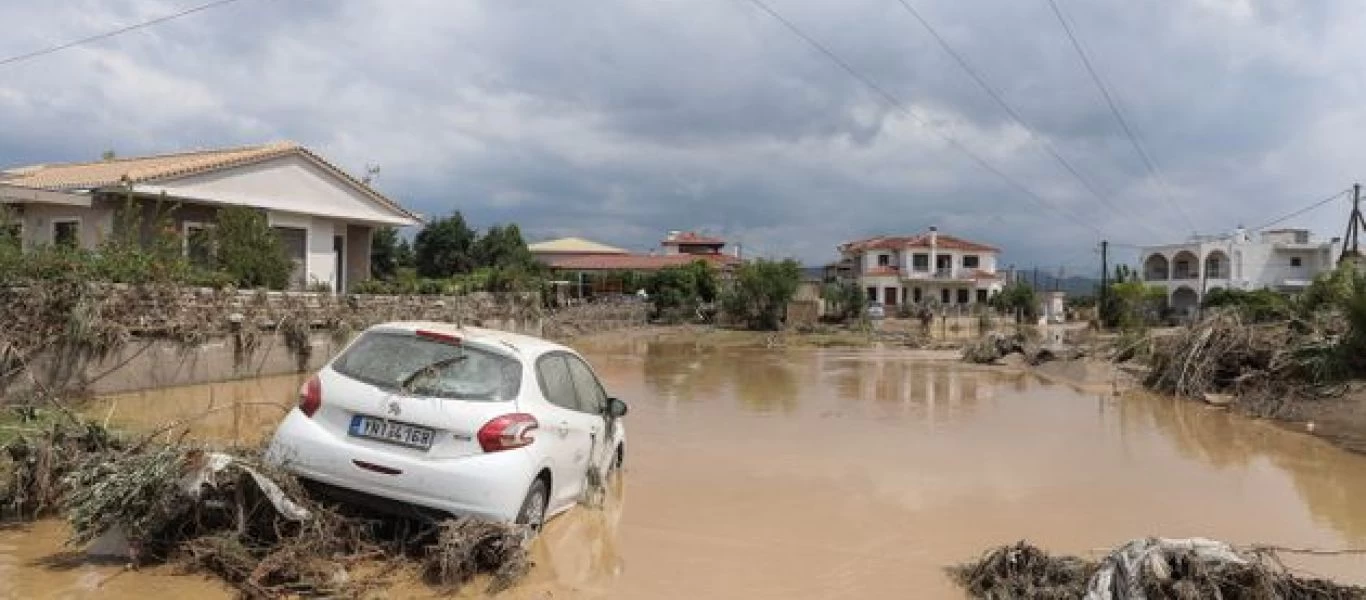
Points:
(389, 359)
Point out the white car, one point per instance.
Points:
(454, 419)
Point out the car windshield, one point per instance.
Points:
(430, 368)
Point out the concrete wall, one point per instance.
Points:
(152, 361)
(96, 223)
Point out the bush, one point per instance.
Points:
(845, 301)
(676, 291)
(248, 250)
(1260, 306)
(761, 292)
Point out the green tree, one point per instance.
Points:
(847, 301)
(1018, 299)
(760, 293)
(384, 253)
(503, 247)
(248, 251)
(445, 247)
(404, 257)
(1135, 305)
(706, 285)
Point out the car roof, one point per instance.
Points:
(525, 345)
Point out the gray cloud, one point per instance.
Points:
(620, 119)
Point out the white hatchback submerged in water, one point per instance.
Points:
(459, 420)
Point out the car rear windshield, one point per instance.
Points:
(430, 368)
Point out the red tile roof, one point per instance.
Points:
(944, 241)
(693, 238)
(634, 262)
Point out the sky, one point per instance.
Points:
(618, 120)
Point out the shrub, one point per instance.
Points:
(761, 292)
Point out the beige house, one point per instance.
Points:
(930, 267)
(324, 216)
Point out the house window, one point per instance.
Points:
(915, 293)
(198, 244)
(962, 296)
(971, 261)
(981, 296)
(872, 294)
(1296, 261)
(920, 262)
(944, 296)
(883, 260)
(66, 233)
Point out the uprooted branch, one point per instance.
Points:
(1143, 568)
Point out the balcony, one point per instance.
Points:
(942, 274)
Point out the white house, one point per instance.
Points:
(928, 267)
(324, 216)
(1281, 259)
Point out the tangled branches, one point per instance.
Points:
(1143, 568)
(1266, 364)
(260, 530)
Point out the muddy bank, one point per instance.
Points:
(1339, 420)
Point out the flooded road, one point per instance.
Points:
(841, 474)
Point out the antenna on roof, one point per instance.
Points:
(371, 172)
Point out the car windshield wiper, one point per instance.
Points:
(431, 368)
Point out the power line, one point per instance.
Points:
(109, 34)
(1303, 210)
(896, 103)
(1148, 161)
(1010, 110)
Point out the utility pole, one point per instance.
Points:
(1036, 279)
(1355, 223)
(1104, 281)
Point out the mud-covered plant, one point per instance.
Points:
(138, 494)
(465, 547)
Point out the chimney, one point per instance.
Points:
(673, 235)
(934, 236)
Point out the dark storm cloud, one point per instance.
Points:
(621, 119)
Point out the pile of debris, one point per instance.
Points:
(1141, 569)
(1264, 365)
(258, 529)
(995, 346)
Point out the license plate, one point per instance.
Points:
(393, 432)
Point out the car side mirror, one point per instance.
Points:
(616, 408)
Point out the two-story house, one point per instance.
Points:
(1283, 259)
(927, 268)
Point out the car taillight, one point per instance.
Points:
(311, 396)
(507, 432)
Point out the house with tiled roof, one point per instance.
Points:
(589, 268)
(324, 216)
(925, 268)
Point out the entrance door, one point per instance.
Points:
(339, 250)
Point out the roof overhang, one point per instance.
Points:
(399, 219)
(14, 194)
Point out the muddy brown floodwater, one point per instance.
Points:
(809, 473)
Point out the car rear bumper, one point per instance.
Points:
(489, 486)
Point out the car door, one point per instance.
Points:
(566, 437)
(593, 406)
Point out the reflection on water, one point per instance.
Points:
(804, 473)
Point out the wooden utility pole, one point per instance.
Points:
(1355, 223)
(1104, 281)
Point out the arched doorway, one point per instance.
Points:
(1185, 300)
(1156, 268)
